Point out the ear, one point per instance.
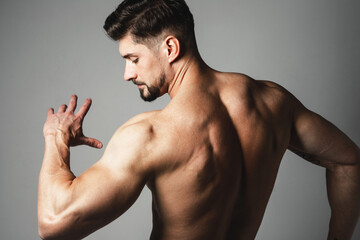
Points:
(172, 45)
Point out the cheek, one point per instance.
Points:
(150, 67)
(152, 70)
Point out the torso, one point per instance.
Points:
(221, 149)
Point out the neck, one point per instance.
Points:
(186, 69)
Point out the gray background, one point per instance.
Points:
(51, 49)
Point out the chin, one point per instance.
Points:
(150, 95)
(148, 99)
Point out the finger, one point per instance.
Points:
(91, 142)
(50, 112)
(72, 103)
(84, 108)
(62, 108)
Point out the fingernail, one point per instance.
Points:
(99, 145)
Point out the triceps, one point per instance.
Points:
(314, 159)
(306, 156)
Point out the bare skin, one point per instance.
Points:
(210, 158)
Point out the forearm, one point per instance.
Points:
(343, 184)
(56, 155)
(63, 200)
(55, 180)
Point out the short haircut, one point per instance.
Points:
(146, 20)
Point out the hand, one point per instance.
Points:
(68, 126)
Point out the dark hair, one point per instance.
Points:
(147, 19)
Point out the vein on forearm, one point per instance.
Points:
(56, 157)
(56, 177)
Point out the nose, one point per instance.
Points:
(129, 73)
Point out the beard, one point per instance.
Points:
(150, 93)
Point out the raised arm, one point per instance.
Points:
(320, 142)
(71, 207)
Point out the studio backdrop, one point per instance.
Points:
(51, 49)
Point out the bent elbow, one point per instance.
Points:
(45, 229)
(50, 228)
(59, 227)
(350, 160)
(352, 157)
(353, 162)
(355, 157)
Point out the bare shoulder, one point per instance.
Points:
(244, 83)
(138, 129)
(272, 86)
(249, 90)
(140, 119)
(278, 98)
(134, 144)
(274, 89)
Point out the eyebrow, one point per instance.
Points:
(129, 55)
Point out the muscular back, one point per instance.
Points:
(210, 159)
(221, 143)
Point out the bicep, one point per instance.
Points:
(318, 140)
(96, 198)
(105, 190)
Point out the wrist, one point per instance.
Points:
(59, 142)
(55, 144)
(58, 137)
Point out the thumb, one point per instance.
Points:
(91, 142)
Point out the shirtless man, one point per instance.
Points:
(210, 157)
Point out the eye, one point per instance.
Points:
(135, 61)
